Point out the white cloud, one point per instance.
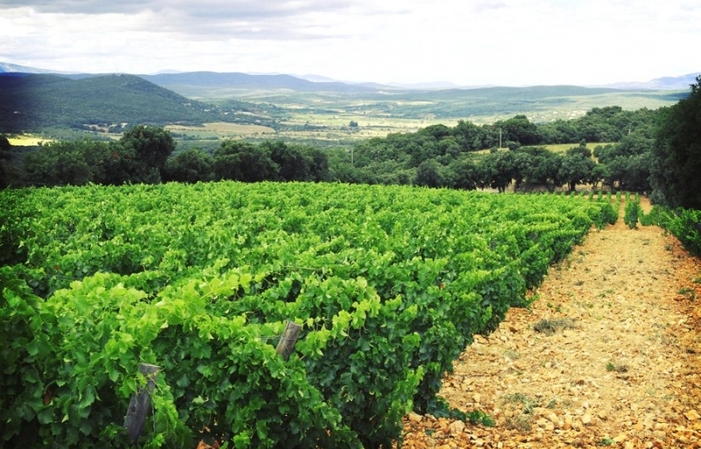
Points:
(512, 42)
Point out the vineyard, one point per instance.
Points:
(389, 285)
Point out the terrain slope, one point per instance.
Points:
(607, 355)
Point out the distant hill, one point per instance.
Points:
(535, 93)
(36, 102)
(210, 81)
(30, 102)
(665, 83)
(213, 84)
(436, 85)
(14, 68)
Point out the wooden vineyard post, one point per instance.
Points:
(288, 339)
(140, 402)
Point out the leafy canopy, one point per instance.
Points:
(676, 156)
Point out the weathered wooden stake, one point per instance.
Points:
(140, 402)
(288, 339)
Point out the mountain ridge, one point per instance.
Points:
(109, 103)
(312, 82)
(241, 80)
(681, 82)
(33, 101)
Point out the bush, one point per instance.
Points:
(632, 213)
(685, 224)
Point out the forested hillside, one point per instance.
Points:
(35, 102)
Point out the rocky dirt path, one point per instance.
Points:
(607, 355)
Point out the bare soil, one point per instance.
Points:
(607, 355)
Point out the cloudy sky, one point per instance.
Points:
(466, 42)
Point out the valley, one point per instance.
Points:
(204, 108)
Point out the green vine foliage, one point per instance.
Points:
(389, 285)
(632, 213)
(685, 224)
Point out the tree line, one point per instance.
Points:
(144, 154)
(440, 155)
(139, 156)
(644, 151)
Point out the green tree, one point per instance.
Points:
(243, 161)
(190, 166)
(599, 124)
(291, 160)
(638, 173)
(559, 131)
(438, 132)
(519, 129)
(391, 148)
(151, 147)
(119, 165)
(5, 160)
(421, 148)
(5, 143)
(498, 169)
(600, 173)
(581, 149)
(627, 162)
(57, 163)
(676, 154)
(461, 174)
(98, 155)
(449, 149)
(523, 163)
(542, 167)
(318, 165)
(81, 161)
(468, 135)
(428, 174)
(575, 169)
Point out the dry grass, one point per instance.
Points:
(26, 140)
(222, 129)
(563, 147)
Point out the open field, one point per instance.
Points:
(562, 147)
(220, 130)
(321, 129)
(26, 140)
(337, 126)
(480, 106)
(557, 147)
(325, 118)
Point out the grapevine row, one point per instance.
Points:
(389, 283)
